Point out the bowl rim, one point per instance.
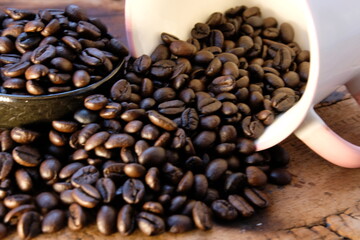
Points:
(67, 93)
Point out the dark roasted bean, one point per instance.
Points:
(53, 221)
(133, 191)
(224, 210)
(150, 224)
(29, 225)
(106, 220)
(202, 216)
(77, 217)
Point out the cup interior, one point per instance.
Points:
(148, 19)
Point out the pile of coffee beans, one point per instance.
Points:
(171, 146)
(54, 50)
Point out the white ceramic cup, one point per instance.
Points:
(329, 29)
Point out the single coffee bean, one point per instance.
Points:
(126, 220)
(106, 188)
(162, 68)
(179, 223)
(14, 201)
(150, 132)
(24, 180)
(15, 69)
(224, 210)
(86, 195)
(117, 140)
(152, 179)
(106, 220)
(23, 136)
(150, 224)
(93, 57)
(85, 175)
(46, 201)
(51, 28)
(234, 182)
(134, 170)
(96, 140)
(66, 197)
(172, 173)
(216, 169)
(204, 139)
(202, 216)
(76, 217)
(29, 225)
(53, 221)
(6, 45)
(280, 176)
(134, 191)
(6, 164)
(68, 170)
(241, 205)
(49, 169)
(256, 197)
(153, 207)
(26, 156)
(43, 54)
(161, 121)
(255, 176)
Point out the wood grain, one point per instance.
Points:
(322, 202)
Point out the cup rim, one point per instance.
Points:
(67, 93)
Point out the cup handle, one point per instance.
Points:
(321, 139)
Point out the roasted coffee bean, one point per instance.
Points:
(29, 225)
(34, 88)
(106, 188)
(234, 182)
(68, 170)
(200, 186)
(241, 205)
(202, 216)
(255, 176)
(280, 176)
(62, 186)
(49, 169)
(252, 128)
(286, 32)
(14, 83)
(46, 201)
(216, 169)
(153, 207)
(16, 200)
(179, 223)
(6, 165)
(150, 224)
(162, 68)
(96, 140)
(86, 195)
(12, 217)
(256, 197)
(43, 54)
(26, 156)
(224, 210)
(66, 197)
(53, 221)
(51, 28)
(27, 41)
(208, 106)
(161, 121)
(282, 102)
(133, 191)
(117, 140)
(6, 45)
(152, 179)
(85, 175)
(93, 57)
(64, 126)
(23, 180)
(177, 203)
(204, 139)
(186, 182)
(76, 217)
(134, 170)
(114, 170)
(106, 220)
(126, 220)
(23, 136)
(15, 69)
(172, 173)
(3, 231)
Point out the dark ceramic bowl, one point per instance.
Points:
(20, 110)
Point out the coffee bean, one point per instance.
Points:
(150, 224)
(46, 201)
(76, 217)
(3, 231)
(142, 64)
(126, 220)
(255, 176)
(29, 225)
(16, 200)
(153, 207)
(256, 197)
(216, 169)
(224, 210)
(234, 182)
(24, 180)
(280, 176)
(134, 191)
(15, 69)
(172, 173)
(43, 54)
(202, 216)
(6, 45)
(119, 140)
(208, 105)
(161, 121)
(6, 165)
(26, 156)
(85, 175)
(106, 188)
(134, 170)
(53, 221)
(282, 101)
(152, 179)
(241, 205)
(179, 223)
(105, 220)
(68, 170)
(86, 195)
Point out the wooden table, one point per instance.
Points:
(322, 201)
